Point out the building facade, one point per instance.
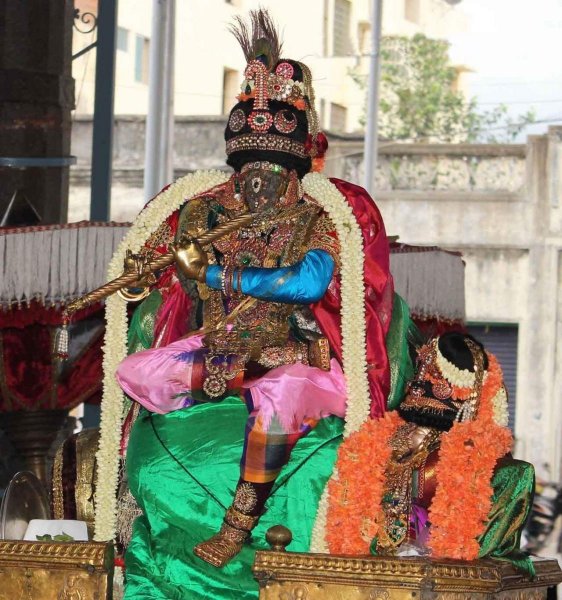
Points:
(331, 36)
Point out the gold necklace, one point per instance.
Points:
(397, 495)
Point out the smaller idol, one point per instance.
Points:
(435, 477)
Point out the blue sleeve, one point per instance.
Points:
(303, 283)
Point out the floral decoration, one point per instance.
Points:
(351, 525)
(353, 322)
(467, 457)
(115, 346)
(462, 378)
(499, 402)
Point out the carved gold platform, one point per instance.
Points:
(55, 571)
(294, 576)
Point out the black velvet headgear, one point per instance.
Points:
(430, 400)
(275, 119)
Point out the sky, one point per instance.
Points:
(515, 50)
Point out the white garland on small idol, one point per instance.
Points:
(115, 346)
(353, 321)
(499, 404)
(462, 378)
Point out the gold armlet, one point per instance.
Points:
(319, 353)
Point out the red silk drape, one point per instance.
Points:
(379, 292)
(28, 378)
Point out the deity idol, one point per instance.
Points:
(288, 312)
(435, 477)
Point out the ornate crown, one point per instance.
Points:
(274, 119)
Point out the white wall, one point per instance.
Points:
(204, 48)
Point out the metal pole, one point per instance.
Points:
(167, 140)
(102, 144)
(371, 130)
(158, 164)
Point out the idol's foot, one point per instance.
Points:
(228, 542)
(222, 547)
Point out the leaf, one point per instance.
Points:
(418, 100)
(63, 537)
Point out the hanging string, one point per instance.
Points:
(205, 489)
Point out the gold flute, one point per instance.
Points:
(127, 279)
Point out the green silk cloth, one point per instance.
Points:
(514, 485)
(401, 330)
(179, 508)
(141, 329)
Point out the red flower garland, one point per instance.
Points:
(354, 498)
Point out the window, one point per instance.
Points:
(338, 117)
(412, 10)
(364, 37)
(501, 340)
(230, 89)
(141, 59)
(122, 39)
(342, 25)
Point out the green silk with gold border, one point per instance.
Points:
(401, 366)
(141, 329)
(513, 484)
(179, 511)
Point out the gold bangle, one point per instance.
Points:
(231, 281)
(239, 280)
(129, 296)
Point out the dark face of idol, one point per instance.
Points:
(263, 188)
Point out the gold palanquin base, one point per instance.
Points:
(292, 576)
(55, 571)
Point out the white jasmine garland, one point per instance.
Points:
(115, 346)
(499, 403)
(318, 543)
(353, 323)
(462, 378)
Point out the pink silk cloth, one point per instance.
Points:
(158, 381)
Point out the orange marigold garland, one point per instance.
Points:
(467, 458)
(463, 498)
(354, 499)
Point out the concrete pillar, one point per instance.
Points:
(36, 97)
(552, 228)
(538, 424)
